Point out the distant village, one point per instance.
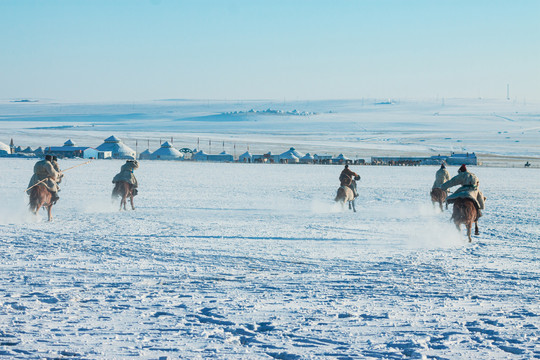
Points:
(114, 148)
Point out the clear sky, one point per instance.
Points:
(268, 49)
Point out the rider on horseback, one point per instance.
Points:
(469, 188)
(441, 176)
(347, 178)
(54, 163)
(126, 174)
(46, 175)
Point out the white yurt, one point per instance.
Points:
(166, 152)
(200, 156)
(288, 158)
(307, 159)
(145, 155)
(245, 157)
(291, 151)
(341, 159)
(118, 149)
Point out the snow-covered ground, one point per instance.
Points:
(234, 261)
(499, 131)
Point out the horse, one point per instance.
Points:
(465, 212)
(124, 190)
(345, 194)
(438, 195)
(41, 197)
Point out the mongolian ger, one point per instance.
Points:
(437, 194)
(125, 183)
(43, 187)
(468, 200)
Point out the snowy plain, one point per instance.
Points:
(256, 261)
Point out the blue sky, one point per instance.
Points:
(254, 49)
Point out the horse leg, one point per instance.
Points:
(122, 202)
(353, 207)
(440, 205)
(49, 207)
(476, 232)
(40, 205)
(131, 200)
(469, 226)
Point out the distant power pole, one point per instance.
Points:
(507, 91)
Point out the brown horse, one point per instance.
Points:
(41, 197)
(345, 194)
(438, 195)
(124, 190)
(465, 212)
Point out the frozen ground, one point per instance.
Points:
(500, 131)
(233, 261)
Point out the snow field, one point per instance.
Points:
(248, 261)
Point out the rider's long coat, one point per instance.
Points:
(441, 176)
(469, 188)
(126, 174)
(44, 170)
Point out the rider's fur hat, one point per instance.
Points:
(443, 166)
(463, 168)
(48, 157)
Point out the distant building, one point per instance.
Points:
(221, 157)
(145, 155)
(245, 157)
(307, 159)
(459, 159)
(199, 156)
(4, 149)
(341, 159)
(288, 159)
(28, 150)
(69, 150)
(322, 158)
(286, 156)
(269, 157)
(118, 149)
(166, 152)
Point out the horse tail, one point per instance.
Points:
(34, 198)
(118, 190)
(464, 211)
(340, 194)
